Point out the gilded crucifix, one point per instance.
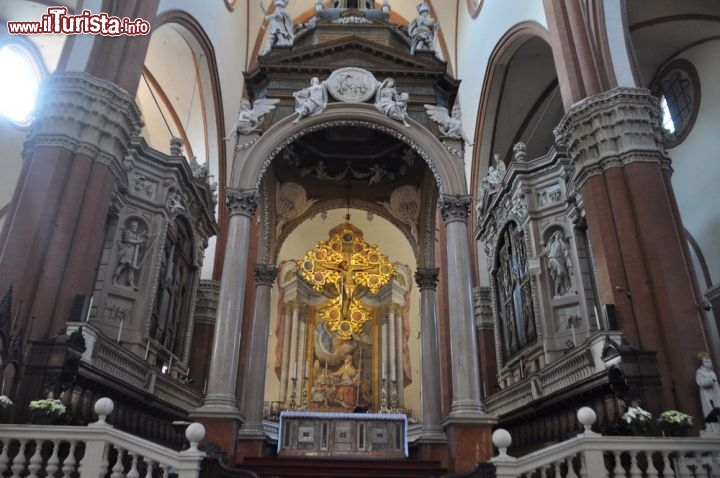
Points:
(347, 267)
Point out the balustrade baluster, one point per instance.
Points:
(4, 456)
(151, 464)
(558, 472)
(118, 471)
(68, 465)
(53, 463)
(35, 460)
(571, 470)
(652, 470)
(635, 471)
(715, 465)
(133, 473)
(165, 470)
(667, 468)
(105, 462)
(618, 470)
(18, 465)
(682, 466)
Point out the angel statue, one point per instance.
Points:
(422, 30)
(250, 117)
(450, 126)
(280, 26)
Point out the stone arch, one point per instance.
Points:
(448, 172)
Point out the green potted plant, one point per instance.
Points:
(5, 406)
(638, 421)
(674, 423)
(47, 411)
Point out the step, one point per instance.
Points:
(282, 467)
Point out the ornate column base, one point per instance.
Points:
(469, 441)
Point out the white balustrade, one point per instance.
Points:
(593, 455)
(93, 451)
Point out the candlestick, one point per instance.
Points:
(294, 370)
(120, 330)
(147, 349)
(307, 369)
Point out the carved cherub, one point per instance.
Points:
(250, 117)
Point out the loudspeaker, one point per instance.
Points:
(80, 307)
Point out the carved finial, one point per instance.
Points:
(520, 150)
(176, 146)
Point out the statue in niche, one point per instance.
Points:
(559, 263)
(279, 25)
(311, 100)
(706, 379)
(390, 103)
(250, 117)
(131, 249)
(422, 30)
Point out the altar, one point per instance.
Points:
(343, 435)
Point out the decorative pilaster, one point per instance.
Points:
(254, 386)
(220, 400)
(427, 279)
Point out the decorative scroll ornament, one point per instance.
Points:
(347, 266)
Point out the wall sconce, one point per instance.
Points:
(385, 8)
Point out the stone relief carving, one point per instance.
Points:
(131, 254)
(559, 263)
(549, 195)
(174, 204)
(390, 103)
(404, 205)
(311, 100)
(492, 181)
(351, 85)
(250, 117)
(117, 313)
(422, 30)
(291, 202)
(280, 26)
(145, 186)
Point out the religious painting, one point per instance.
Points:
(513, 293)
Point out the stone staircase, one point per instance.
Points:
(327, 468)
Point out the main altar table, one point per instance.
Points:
(338, 435)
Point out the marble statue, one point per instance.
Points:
(311, 100)
(131, 246)
(422, 30)
(279, 25)
(450, 125)
(706, 379)
(251, 116)
(390, 103)
(557, 255)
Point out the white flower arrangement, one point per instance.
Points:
(5, 402)
(48, 406)
(636, 414)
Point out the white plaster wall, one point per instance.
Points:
(696, 161)
(477, 39)
(393, 244)
(11, 141)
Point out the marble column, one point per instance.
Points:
(463, 345)
(290, 312)
(468, 427)
(426, 278)
(220, 398)
(253, 389)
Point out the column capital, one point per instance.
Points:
(427, 277)
(455, 208)
(86, 115)
(265, 274)
(242, 202)
(612, 129)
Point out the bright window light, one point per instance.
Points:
(667, 120)
(18, 85)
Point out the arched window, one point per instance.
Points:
(20, 77)
(171, 313)
(513, 293)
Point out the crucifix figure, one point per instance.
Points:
(349, 266)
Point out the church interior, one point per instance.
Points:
(362, 229)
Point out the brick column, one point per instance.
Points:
(615, 143)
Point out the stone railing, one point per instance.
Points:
(122, 364)
(596, 456)
(93, 451)
(577, 365)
